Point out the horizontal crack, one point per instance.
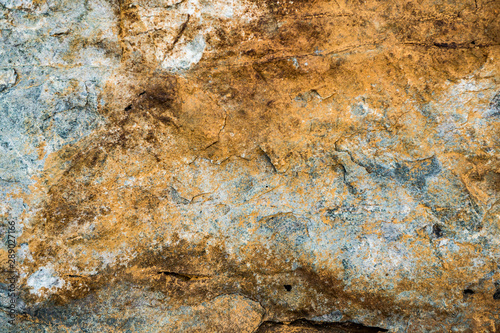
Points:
(184, 277)
(451, 45)
(347, 327)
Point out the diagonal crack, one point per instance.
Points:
(184, 276)
(177, 37)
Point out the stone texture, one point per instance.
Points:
(251, 166)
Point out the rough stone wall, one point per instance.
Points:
(251, 165)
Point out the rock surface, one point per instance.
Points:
(251, 165)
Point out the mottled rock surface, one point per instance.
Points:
(250, 165)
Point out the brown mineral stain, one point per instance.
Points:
(286, 90)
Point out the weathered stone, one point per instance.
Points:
(251, 165)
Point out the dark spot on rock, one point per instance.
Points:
(288, 287)
(128, 108)
(161, 95)
(496, 295)
(142, 93)
(468, 292)
(439, 23)
(451, 45)
(346, 264)
(150, 137)
(250, 52)
(437, 231)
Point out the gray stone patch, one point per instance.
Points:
(416, 172)
(285, 226)
(8, 78)
(494, 109)
(334, 316)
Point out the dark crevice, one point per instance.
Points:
(211, 145)
(496, 295)
(452, 45)
(355, 161)
(468, 291)
(268, 159)
(183, 277)
(9, 181)
(179, 34)
(81, 276)
(288, 287)
(350, 188)
(347, 327)
(437, 231)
